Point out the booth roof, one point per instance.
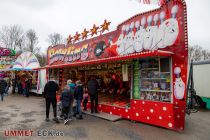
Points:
(21, 69)
(117, 58)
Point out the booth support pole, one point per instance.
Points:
(131, 96)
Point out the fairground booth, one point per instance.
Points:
(7, 59)
(141, 67)
(25, 67)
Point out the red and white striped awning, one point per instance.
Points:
(116, 58)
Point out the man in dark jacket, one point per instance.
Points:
(3, 85)
(50, 90)
(66, 99)
(93, 92)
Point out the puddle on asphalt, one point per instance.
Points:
(4, 120)
(125, 133)
(78, 132)
(13, 107)
(2, 113)
(13, 115)
(28, 114)
(28, 121)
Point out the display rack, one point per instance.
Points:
(155, 80)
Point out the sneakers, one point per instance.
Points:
(70, 119)
(56, 120)
(65, 121)
(60, 117)
(47, 119)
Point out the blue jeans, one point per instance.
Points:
(6, 90)
(78, 107)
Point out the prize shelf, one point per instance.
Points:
(164, 91)
(149, 68)
(153, 78)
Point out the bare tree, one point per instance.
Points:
(32, 42)
(42, 58)
(197, 53)
(12, 36)
(55, 39)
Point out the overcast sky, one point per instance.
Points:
(68, 16)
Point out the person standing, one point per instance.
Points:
(7, 87)
(50, 91)
(3, 85)
(72, 90)
(23, 83)
(93, 92)
(20, 88)
(28, 86)
(14, 84)
(78, 95)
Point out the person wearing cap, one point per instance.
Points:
(78, 95)
(3, 85)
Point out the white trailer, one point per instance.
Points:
(201, 75)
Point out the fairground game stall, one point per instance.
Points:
(27, 67)
(7, 59)
(141, 67)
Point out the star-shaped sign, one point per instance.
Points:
(76, 36)
(105, 26)
(94, 30)
(84, 34)
(69, 39)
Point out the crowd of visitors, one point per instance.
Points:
(72, 91)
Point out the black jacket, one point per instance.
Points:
(50, 89)
(66, 98)
(3, 85)
(92, 87)
(78, 94)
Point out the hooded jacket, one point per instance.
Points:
(72, 87)
(66, 98)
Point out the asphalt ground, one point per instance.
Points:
(20, 113)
